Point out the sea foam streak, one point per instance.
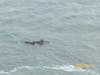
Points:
(69, 68)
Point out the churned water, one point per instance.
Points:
(72, 28)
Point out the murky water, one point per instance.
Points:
(72, 28)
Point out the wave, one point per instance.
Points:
(68, 68)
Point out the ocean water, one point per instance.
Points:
(72, 28)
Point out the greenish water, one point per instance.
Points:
(71, 26)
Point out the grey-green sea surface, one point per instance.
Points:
(72, 28)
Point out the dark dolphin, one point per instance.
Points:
(41, 42)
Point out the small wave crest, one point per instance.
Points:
(69, 68)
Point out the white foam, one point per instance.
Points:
(68, 68)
